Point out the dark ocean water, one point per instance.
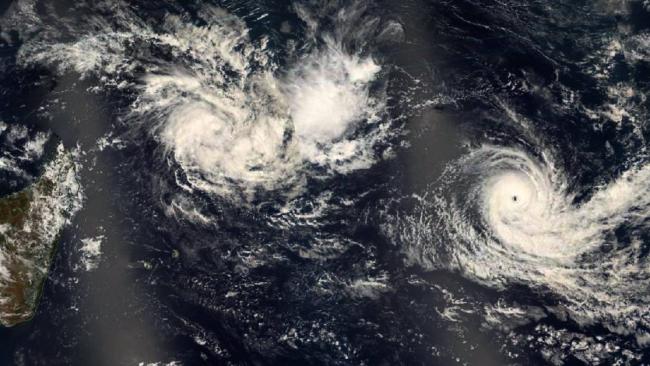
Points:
(285, 279)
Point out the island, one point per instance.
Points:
(31, 221)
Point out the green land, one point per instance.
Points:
(30, 222)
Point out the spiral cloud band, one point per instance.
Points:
(503, 217)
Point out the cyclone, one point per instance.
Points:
(231, 116)
(505, 216)
(356, 182)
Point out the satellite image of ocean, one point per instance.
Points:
(324, 182)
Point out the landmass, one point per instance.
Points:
(30, 223)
